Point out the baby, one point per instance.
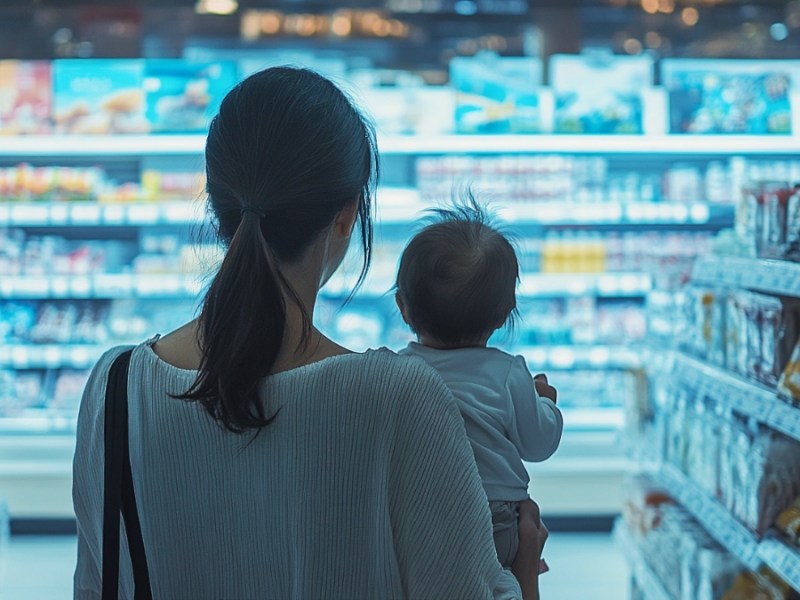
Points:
(456, 285)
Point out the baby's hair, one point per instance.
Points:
(458, 276)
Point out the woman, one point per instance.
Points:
(267, 460)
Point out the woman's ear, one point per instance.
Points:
(345, 221)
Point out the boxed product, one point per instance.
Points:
(763, 584)
(401, 110)
(600, 93)
(99, 96)
(768, 220)
(25, 97)
(497, 95)
(789, 384)
(730, 96)
(182, 96)
(788, 522)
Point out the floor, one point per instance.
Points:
(582, 567)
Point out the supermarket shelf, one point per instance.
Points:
(713, 516)
(50, 356)
(607, 144)
(154, 145)
(781, 558)
(770, 276)
(89, 214)
(649, 582)
(532, 285)
(577, 284)
(396, 206)
(82, 356)
(101, 286)
(743, 396)
(589, 357)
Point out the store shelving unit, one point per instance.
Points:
(399, 208)
(750, 399)
(770, 276)
(135, 145)
(745, 397)
(641, 572)
(712, 515)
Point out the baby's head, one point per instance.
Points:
(457, 279)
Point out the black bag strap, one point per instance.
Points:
(118, 494)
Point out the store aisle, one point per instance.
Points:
(583, 566)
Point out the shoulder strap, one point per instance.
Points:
(118, 494)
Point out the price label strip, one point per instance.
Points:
(713, 516)
(782, 559)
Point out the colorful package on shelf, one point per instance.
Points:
(67, 391)
(730, 96)
(405, 110)
(760, 585)
(26, 183)
(20, 390)
(768, 220)
(789, 383)
(182, 96)
(99, 96)
(26, 97)
(788, 522)
(497, 95)
(600, 93)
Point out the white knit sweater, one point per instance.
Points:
(364, 486)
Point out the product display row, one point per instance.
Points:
(719, 425)
(582, 179)
(593, 93)
(654, 527)
(749, 333)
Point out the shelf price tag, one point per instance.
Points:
(29, 214)
(85, 214)
(143, 214)
(786, 419)
(782, 559)
(59, 214)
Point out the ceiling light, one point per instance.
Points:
(690, 16)
(216, 7)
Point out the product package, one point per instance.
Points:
(730, 96)
(600, 93)
(789, 384)
(768, 220)
(497, 95)
(182, 96)
(788, 522)
(763, 584)
(25, 97)
(99, 96)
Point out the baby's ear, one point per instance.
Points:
(401, 306)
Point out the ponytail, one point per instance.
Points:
(242, 324)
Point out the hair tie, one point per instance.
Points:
(252, 208)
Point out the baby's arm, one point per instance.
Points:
(536, 423)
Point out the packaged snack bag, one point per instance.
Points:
(26, 97)
(789, 384)
(788, 522)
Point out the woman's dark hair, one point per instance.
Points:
(286, 153)
(458, 276)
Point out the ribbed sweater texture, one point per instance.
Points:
(364, 486)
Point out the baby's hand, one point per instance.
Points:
(545, 389)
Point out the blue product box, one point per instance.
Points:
(99, 96)
(497, 95)
(730, 96)
(599, 93)
(183, 96)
